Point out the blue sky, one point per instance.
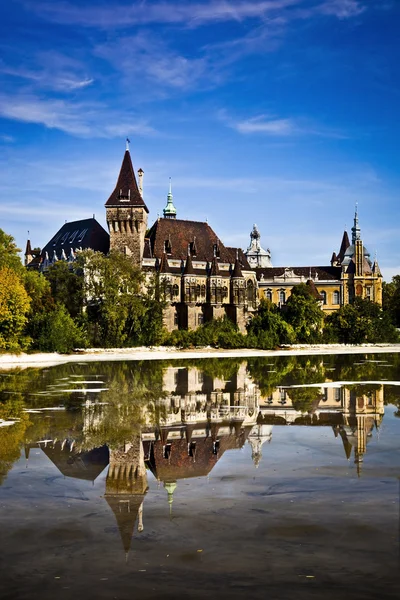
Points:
(282, 113)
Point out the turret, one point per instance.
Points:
(126, 213)
(170, 210)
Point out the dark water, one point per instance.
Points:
(263, 478)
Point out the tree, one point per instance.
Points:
(362, 321)
(9, 256)
(67, 286)
(268, 329)
(14, 306)
(303, 313)
(115, 307)
(391, 299)
(59, 332)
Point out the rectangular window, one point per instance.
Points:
(200, 319)
(176, 321)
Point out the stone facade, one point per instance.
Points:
(351, 274)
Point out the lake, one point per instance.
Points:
(214, 478)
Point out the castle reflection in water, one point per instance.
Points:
(196, 419)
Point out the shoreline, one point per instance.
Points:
(41, 360)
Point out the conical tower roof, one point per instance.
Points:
(237, 269)
(126, 191)
(214, 267)
(28, 250)
(189, 270)
(125, 509)
(164, 266)
(343, 246)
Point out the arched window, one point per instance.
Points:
(323, 296)
(336, 297)
(282, 297)
(268, 295)
(175, 290)
(250, 291)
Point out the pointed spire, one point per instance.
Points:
(343, 247)
(28, 250)
(214, 272)
(126, 191)
(237, 269)
(170, 210)
(189, 265)
(355, 230)
(164, 266)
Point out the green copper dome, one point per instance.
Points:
(170, 210)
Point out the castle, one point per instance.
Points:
(201, 278)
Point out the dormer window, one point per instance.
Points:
(73, 236)
(82, 235)
(217, 251)
(192, 248)
(168, 246)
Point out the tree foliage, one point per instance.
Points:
(362, 321)
(9, 253)
(268, 329)
(14, 306)
(304, 314)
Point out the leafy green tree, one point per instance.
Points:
(59, 332)
(115, 308)
(391, 299)
(304, 314)
(67, 286)
(14, 306)
(9, 253)
(362, 321)
(268, 329)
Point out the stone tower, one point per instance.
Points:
(126, 213)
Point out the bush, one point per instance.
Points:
(59, 332)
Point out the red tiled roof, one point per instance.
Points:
(126, 191)
(181, 234)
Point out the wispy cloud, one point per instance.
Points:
(271, 125)
(145, 58)
(80, 119)
(191, 14)
(48, 70)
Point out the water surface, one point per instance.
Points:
(216, 478)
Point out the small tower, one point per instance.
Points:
(28, 253)
(170, 210)
(257, 256)
(126, 213)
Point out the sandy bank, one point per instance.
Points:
(11, 361)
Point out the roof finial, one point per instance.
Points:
(128, 141)
(170, 186)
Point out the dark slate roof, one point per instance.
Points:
(126, 191)
(317, 273)
(181, 234)
(343, 246)
(28, 250)
(84, 234)
(242, 258)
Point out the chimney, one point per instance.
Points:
(140, 176)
